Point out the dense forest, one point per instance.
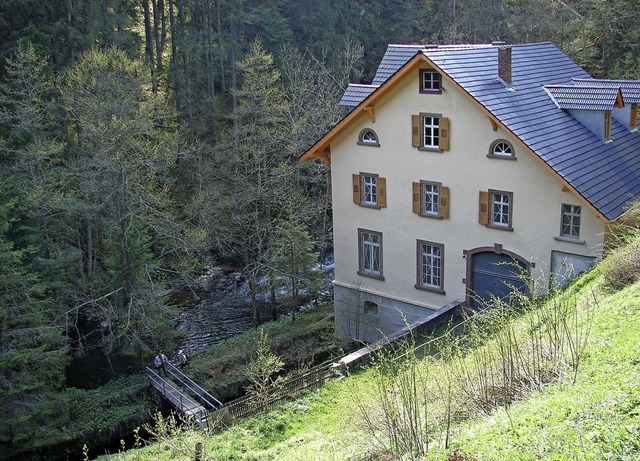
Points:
(141, 141)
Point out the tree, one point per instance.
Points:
(293, 258)
(261, 370)
(33, 351)
(118, 182)
(242, 203)
(33, 348)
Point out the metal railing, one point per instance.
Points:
(177, 397)
(201, 394)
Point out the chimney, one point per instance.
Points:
(504, 64)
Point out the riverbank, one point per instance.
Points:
(305, 339)
(99, 411)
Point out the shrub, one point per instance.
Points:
(621, 266)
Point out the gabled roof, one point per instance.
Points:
(630, 88)
(394, 58)
(585, 97)
(605, 174)
(355, 94)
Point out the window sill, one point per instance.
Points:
(502, 157)
(569, 240)
(371, 144)
(430, 149)
(369, 205)
(430, 91)
(502, 228)
(371, 275)
(439, 291)
(432, 216)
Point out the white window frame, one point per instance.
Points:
(430, 198)
(570, 221)
(430, 266)
(368, 137)
(370, 253)
(430, 81)
(430, 125)
(501, 209)
(369, 185)
(503, 149)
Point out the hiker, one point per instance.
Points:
(181, 359)
(160, 362)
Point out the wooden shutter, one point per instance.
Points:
(416, 194)
(381, 186)
(483, 211)
(356, 189)
(444, 133)
(415, 131)
(634, 115)
(444, 202)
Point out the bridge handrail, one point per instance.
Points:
(155, 377)
(198, 391)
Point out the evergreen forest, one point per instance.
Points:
(142, 141)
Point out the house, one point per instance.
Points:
(462, 168)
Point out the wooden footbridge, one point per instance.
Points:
(184, 394)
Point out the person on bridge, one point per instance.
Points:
(181, 359)
(160, 362)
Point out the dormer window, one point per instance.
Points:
(591, 105)
(368, 137)
(430, 81)
(501, 149)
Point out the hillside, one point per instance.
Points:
(586, 404)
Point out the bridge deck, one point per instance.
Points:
(184, 394)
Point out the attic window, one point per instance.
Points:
(430, 81)
(501, 149)
(368, 137)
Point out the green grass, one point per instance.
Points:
(595, 418)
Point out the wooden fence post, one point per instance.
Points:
(198, 451)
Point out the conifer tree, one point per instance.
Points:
(33, 351)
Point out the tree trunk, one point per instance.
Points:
(148, 39)
(158, 13)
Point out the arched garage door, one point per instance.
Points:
(493, 272)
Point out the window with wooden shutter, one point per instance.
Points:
(430, 199)
(415, 131)
(444, 133)
(382, 192)
(416, 194)
(496, 209)
(483, 211)
(369, 190)
(356, 188)
(430, 132)
(444, 202)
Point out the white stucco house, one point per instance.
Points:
(461, 167)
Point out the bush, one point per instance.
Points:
(621, 266)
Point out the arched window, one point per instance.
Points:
(368, 137)
(501, 149)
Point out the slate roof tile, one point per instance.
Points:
(592, 97)
(606, 174)
(630, 88)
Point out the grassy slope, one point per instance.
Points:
(597, 418)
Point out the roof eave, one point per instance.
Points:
(322, 148)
